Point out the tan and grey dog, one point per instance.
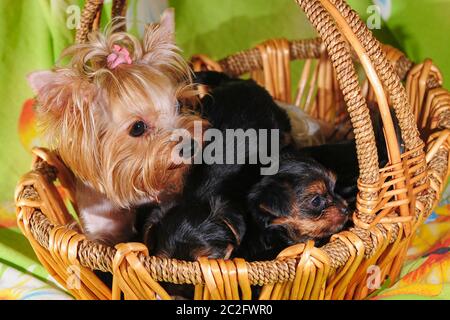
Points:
(110, 113)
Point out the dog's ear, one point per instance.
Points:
(39, 79)
(160, 48)
(56, 90)
(52, 91)
(168, 21)
(64, 102)
(273, 200)
(160, 36)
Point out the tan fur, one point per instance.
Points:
(299, 227)
(318, 187)
(86, 110)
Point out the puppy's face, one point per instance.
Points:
(300, 200)
(114, 127)
(315, 211)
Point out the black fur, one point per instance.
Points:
(219, 212)
(341, 158)
(209, 217)
(275, 197)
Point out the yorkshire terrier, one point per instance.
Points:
(297, 204)
(110, 114)
(208, 220)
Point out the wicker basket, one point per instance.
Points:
(392, 201)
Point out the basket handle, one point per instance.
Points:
(353, 27)
(339, 27)
(340, 55)
(90, 18)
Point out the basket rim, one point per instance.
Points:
(260, 272)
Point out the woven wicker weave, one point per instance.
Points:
(392, 201)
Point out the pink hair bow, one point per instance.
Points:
(119, 56)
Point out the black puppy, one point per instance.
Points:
(297, 204)
(209, 218)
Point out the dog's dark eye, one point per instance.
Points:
(138, 129)
(317, 201)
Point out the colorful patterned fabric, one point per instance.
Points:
(33, 34)
(426, 273)
(23, 285)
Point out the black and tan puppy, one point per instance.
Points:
(200, 228)
(297, 204)
(209, 218)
